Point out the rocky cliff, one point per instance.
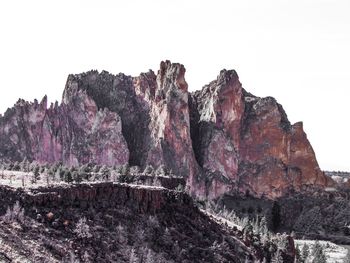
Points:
(121, 218)
(221, 138)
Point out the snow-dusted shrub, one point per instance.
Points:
(70, 258)
(133, 256)
(149, 257)
(16, 213)
(157, 182)
(140, 235)
(86, 257)
(318, 253)
(82, 229)
(281, 241)
(305, 252)
(180, 188)
(153, 222)
(121, 235)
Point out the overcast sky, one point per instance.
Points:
(297, 51)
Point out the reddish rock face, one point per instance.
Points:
(221, 138)
(303, 157)
(220, 107)
(268, 156)
(170, 139)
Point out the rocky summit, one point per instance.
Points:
(221, 139)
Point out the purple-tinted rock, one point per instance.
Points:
(220, 139)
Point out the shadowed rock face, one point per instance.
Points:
(220, 138)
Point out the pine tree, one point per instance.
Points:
(68, 176)
(36, 174)
(263, 226)
(2, 169)
(298, 258)
(77, 177)
(134, 170)
(316, 248)
(318, 253)
(278, 257)
(125, 169)
(305, 252)
(24, 165)
(149, 170)
(105, 173)
(161, 170)
(57, 177)
(276, 215)
(347, 258)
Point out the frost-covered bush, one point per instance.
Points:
(82, 229)
(133, 256)
(153, 222)
(121, 234)
(157, 182)
(16, 213)
(70, 258)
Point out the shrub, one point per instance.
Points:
(82, 229)
(14, 214)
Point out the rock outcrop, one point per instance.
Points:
(141, 199)
(74, 132)
(221, 138)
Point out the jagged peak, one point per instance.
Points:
(298, 127)
(227, 76)
(43, 102)
(172, 72)
(168, 65)
(104, 74)
(225, 80)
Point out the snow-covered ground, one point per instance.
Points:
(334, 253)
(18, 179)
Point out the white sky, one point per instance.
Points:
(297, 51)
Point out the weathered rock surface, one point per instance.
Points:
(221, 138)
(74, 132)
(250, 142)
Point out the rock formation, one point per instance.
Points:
(221, 138)
(74, 132)
(249, 142)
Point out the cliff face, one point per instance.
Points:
(141, 199)
(74, 132)
(220, 138)
(249, 141)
